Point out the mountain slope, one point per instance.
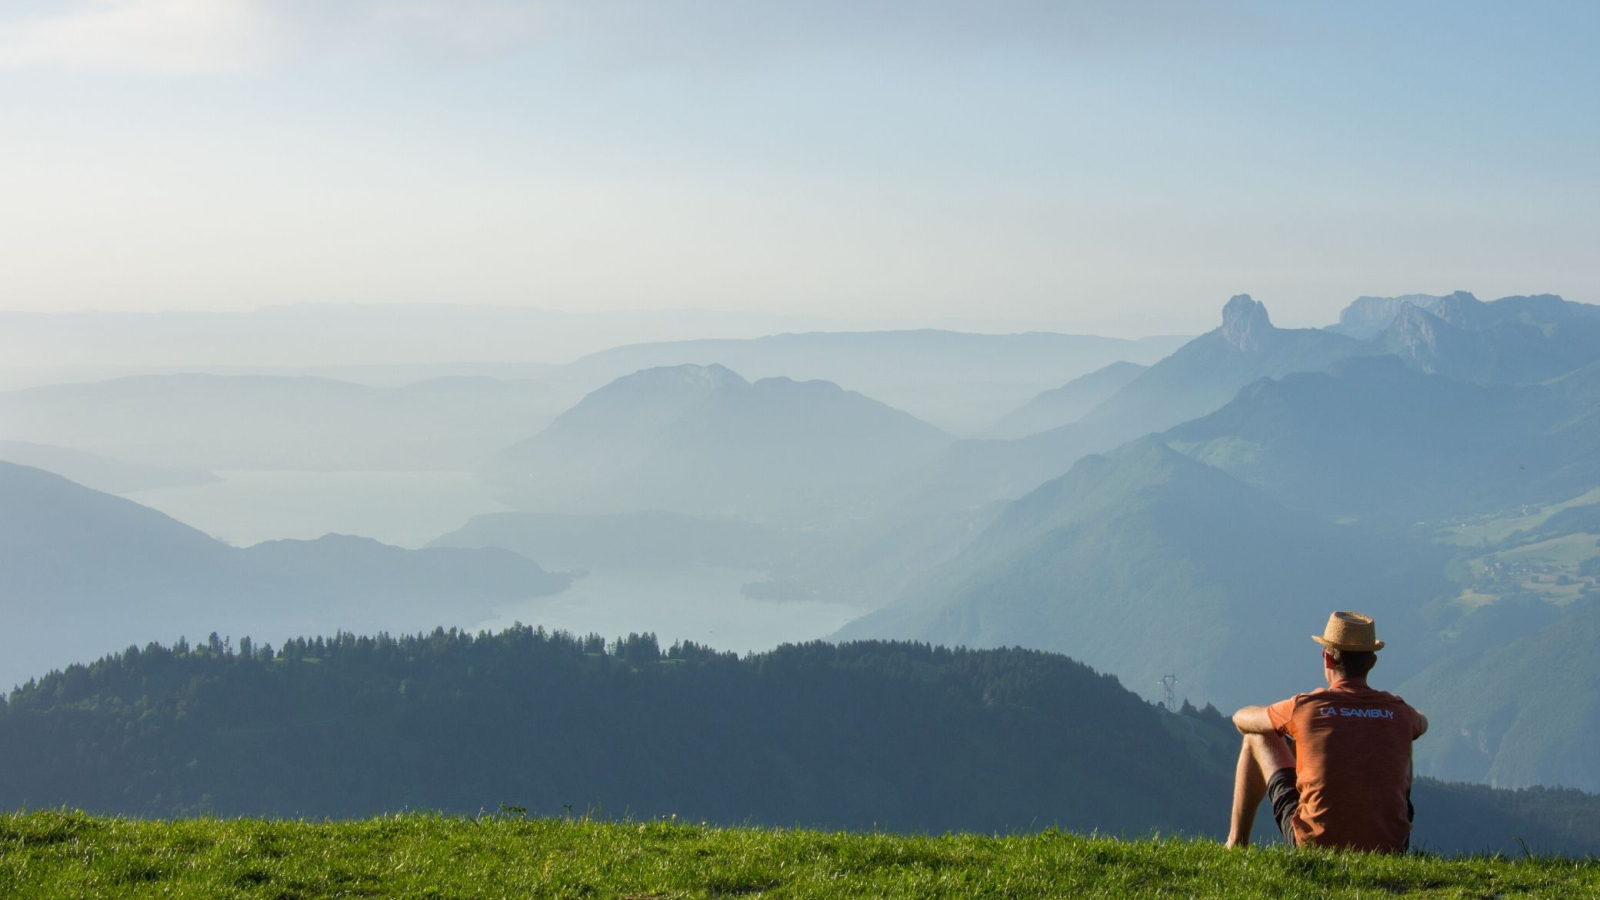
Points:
(1205, 373)
(87, 572)
(1065, 404)
(973, 472)
(1143, 562)
(1519, 713)
(587, 451)
(1371, 437)
(700, 439)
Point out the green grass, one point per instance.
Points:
(1552, 558)
(65, 854)
(1494, 530)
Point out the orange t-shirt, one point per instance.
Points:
(1352, 765)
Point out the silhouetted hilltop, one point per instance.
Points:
(700, 439)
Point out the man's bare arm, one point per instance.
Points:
(1253, 720)
(1422, 723)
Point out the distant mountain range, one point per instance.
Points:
(1386, 421)
(954, 380)
(86, 573)
(371, 419)
(1205, 373)
(340, 334)
(702, 440)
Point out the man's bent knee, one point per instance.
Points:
(1271, 752)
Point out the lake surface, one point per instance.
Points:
(407, 509)
(701, 604)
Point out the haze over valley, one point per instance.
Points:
(1151, 508)
(1430, 456)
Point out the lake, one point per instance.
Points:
(699, 603)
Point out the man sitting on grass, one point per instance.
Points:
(1346, 780)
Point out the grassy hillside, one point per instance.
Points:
(73, 855)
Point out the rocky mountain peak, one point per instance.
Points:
(1415, 335)
(1457, 308)
(1245, 324)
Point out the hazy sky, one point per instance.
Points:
(1025, 160)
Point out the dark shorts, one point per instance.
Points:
(1284, 796)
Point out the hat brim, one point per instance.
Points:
(1374, 647)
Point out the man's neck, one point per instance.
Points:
(1337, 682)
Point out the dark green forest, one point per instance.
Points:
(868, 735)
(897, 736)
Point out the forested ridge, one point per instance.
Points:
(866, 735)
(860, 735)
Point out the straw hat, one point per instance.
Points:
(1349, 631)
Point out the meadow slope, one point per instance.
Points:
(66, 854)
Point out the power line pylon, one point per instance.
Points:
(1170, 700)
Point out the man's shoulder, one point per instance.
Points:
(1358, 689)
(1370, 694)
(1306, 696)
(1359, 695)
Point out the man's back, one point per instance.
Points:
(1352, 765)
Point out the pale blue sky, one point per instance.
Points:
(1044, 162)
